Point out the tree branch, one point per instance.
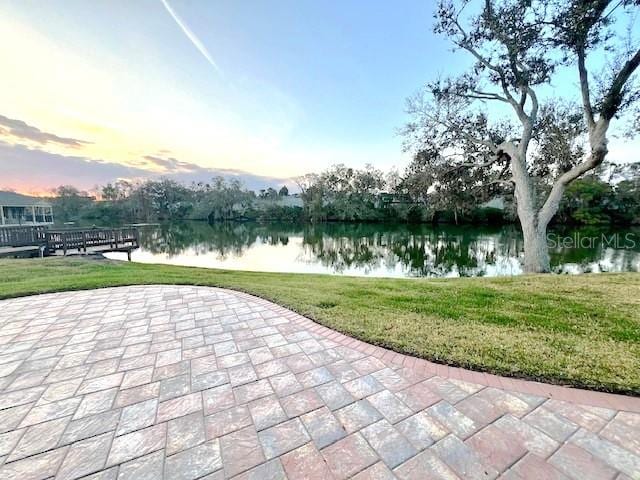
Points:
(613, 98)
(500, 181)
(486, 143)
(474, 165)
(584, 88)
(465, 44)
(489, 96)
(552, 202)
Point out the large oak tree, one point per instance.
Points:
(530, 141)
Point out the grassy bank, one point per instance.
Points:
(579, 330)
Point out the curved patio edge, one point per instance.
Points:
(529, 387)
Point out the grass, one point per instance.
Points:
(577, 330)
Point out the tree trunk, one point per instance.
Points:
(536, 250)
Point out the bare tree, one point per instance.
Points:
(518, 48)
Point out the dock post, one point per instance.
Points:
(129, 254)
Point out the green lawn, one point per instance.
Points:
(579, 330)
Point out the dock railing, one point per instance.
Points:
(51, 241)
(81, 239)
(23, 236)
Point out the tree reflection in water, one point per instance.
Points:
(381, 249)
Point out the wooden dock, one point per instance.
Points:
(31, 241)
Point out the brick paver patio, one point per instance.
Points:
(176, 382)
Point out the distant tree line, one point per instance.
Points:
(342, 194)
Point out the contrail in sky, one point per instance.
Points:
(191, 36)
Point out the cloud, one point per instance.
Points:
(170, 164)
(36, 171)
(24, 131)
(191, 36)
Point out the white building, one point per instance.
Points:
(17, 209)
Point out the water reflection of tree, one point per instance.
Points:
(421, 250)
(223, 238)
(416, 250)
(594, 254)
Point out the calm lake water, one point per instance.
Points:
(381, 250)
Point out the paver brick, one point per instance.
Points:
(148, 467)
(507, 402)
(283, 438)
(323, 427)
(100, 383)
(425, 465)
(187, 382)
(252, 391)
(378, 471)
(267, 412)
(334, 395)
(301, 402)
(577, 415)
(418, 397)
(217, 399)
(177, 407)
(391, 446)
(481, 411)
(314, 377)
(422, 430)
(497, 448)
(135, 378)
(271, 368)
(241, 451)
(462, 459)
(60, 390)
(9, 440)
(363, 386)
(227, 421)
(89, 426)
(195, 462)
(137, 394)
(619, 458)
(390, 406)
(453, 419)
(557, 427)
(185, 432)
(85, 457)
(305, 462)
(137, 444)
(349, 456)
(51, 411)
(579, 464)
(241, 374)
(37, 467)
(390, 379)
(357, 415)
(533, 466)
(623, 434)
(447, 390)
(137, 416)
(271, 470)
(367, 365)
(533, 439)
(174, 387)
(38, 438)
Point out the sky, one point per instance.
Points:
(263, 90)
